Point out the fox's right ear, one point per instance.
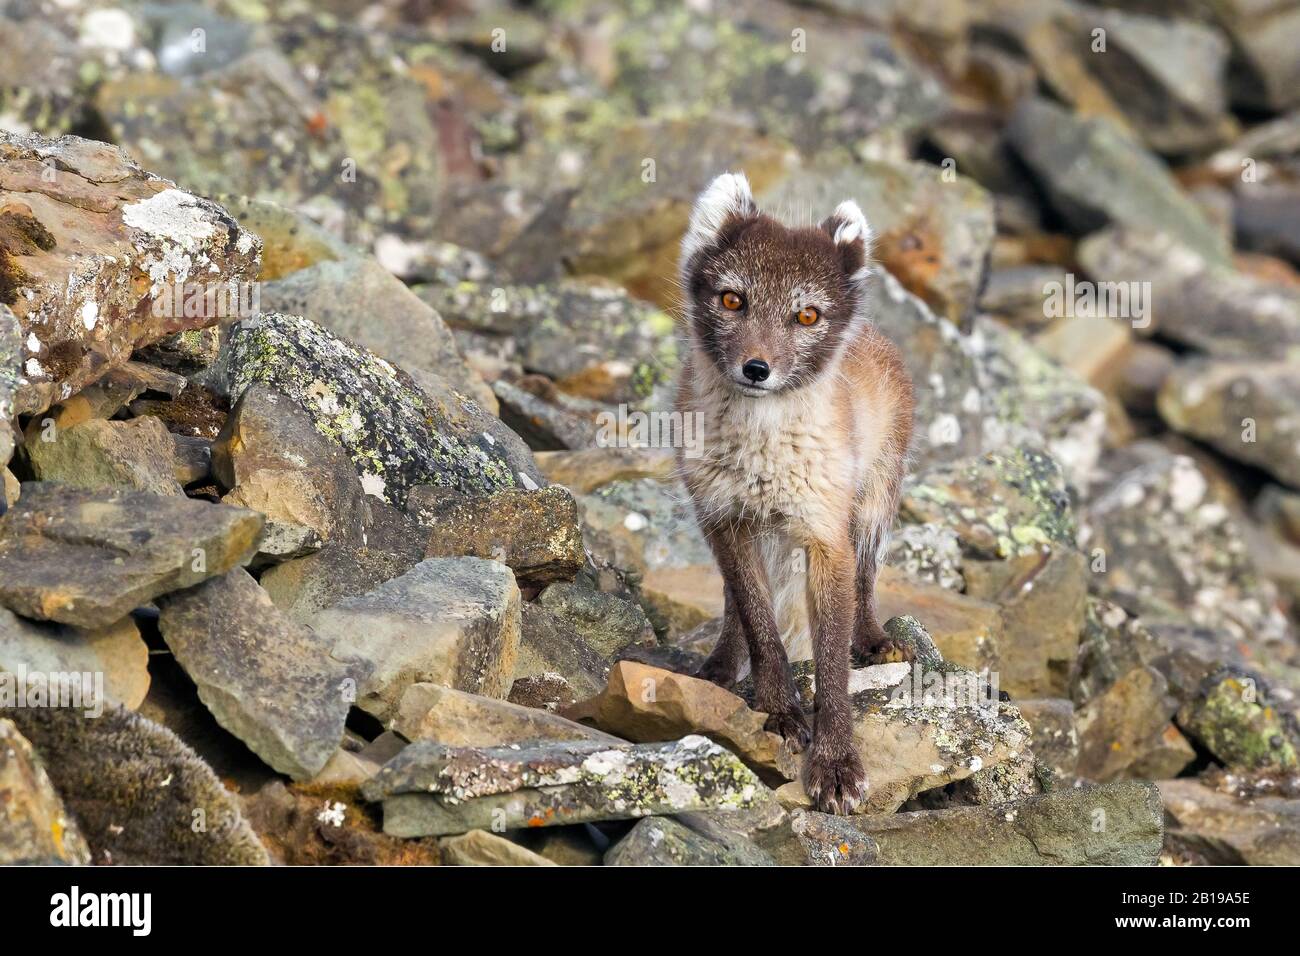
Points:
(728, 197)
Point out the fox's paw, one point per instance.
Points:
(720, 672)
(877, 647)
(793, 726)
(835, 780)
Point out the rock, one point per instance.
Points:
(1237, 719)
(966, 631)
(606, 622)
(396, 435)
(1227, 313)
(10, 374)
(82, 669)
(1263, 830)
(819, 839)
(433, 790)
(999, 505)
(138, 453)
(457, 719)
(1264, 221)
(35, 827)
(1264, 74)
(591, 336)
(85, 557)
(1117, 824)
(536, 533)
(1055, 740)
(140, 795)
(290, 239)
(644, 704)
(92, 249)
(1169, 76)
(934, 229)
(481, 848)
(359, 300)
(449, 621)
(1249, 410)
(919, 727)
(1172, 553)
(269, 681)
(545, 417)
(551, 645)
(662, 841)
(584, 470)
(1095, 348)
(1165, 757)
(1095, 175)
(1124, 724)
(9, 488)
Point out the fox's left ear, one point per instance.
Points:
(852, 235)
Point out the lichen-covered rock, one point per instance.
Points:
(999, 505)
(536, 533)
(35, 827)
(268, 680)
(1055, 741)
(591, 336)
(1224, 312)
(140, 795)
(1236, 718)
(85, 557)
(429, 789)
(965, 630)
(359, 300)
(1117, 824)
(396, 435)
(644, 704)
(112, 661)
(89, 245)
(138, 453)
(1247, 409)
(662, 841)
(1094, 175)
(449, 621)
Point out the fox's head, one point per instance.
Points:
(771, 307)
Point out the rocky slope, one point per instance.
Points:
(338, 524)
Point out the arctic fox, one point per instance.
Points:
(806, 420)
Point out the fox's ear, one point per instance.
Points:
(728, 197)
(852, 235)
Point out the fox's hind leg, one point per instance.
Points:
(724, 663)
(871, 645)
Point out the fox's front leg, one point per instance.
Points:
(735, 546)
(833, 776)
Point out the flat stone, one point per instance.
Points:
(84, 557)
(662, 841)
(1258, 830)
(536, 533)
(645, 704)
(35, 827)
(586, 469)
(458, 719)
(448, 621)
(269, 681)
(429, 789)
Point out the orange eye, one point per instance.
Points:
(808, 316)
(732, 302)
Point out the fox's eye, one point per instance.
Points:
(808, 316)
(732, 302)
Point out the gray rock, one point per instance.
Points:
(1265, 74)
(1055, 741)
(138, 453)
(433, 790)
(10, 372)
(35, 827)
(1095, 175)
(605, 621)
(1117, 824)
(551, 645)
(662, 841)
(396, 435)
(1124, 724)
(457, 719)
(481, 848)
(449, 621)
(1252, 830)
(270, 681)
(84, 557)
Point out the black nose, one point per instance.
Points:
(756, 370)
